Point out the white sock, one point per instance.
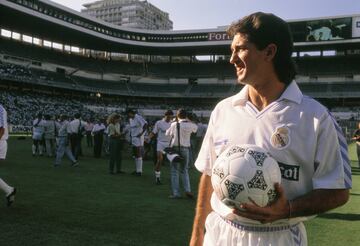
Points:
(139, 163)
(40, 149)
(157, 174)
(5, 187)
(33, 149)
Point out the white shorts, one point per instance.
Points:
(137, 142)
(224, 232)
(3, 149)
(160, 146)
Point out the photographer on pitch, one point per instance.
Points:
(180, 132)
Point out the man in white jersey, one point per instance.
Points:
(63, 143)
(163, 141)
(38, 134)
(4, 135)
(271, 112)
(137, 129)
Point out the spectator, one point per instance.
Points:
(76, 129)
(88, 129)
(63, 142)
(49, 135)
(115, 144)
(182, 128)
(98, 133)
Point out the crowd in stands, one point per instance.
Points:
(63, 80)
(15, 70)
(23, 105)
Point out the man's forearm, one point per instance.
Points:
(318, 201)
(203, 208)
(314, 202)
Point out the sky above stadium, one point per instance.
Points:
(200, 14)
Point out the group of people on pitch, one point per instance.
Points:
(313, 151)
(169, 132)
(65, 138)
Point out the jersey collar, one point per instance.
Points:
(292, 93)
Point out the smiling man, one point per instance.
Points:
(271, 112)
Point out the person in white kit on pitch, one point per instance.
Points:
(271, 112)
(163, 141)
(38, 134)
(4, 135)
(137, 129)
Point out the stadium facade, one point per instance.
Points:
(130, 13)
(67, 52)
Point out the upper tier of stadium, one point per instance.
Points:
(36, 52)
(51, 21)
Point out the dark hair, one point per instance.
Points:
(63, 117)
(263, 29)
(130, 111)
(77, 116)
(181, 113)
(169, 112)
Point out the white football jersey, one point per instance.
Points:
(38, 127)
(160, 129)
(3, 123)
(136, 125)
(296, 130)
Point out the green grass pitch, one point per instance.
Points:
(85, 205)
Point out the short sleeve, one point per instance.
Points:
(332, 165)
(206, 156)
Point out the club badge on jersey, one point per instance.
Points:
(280, 139)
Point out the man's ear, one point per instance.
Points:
(270, 52)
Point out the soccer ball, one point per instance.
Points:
(245, 174)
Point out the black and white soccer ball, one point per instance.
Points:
(245, 174)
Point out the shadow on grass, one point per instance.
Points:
(355, 171)
(339, 216)
(354, 194)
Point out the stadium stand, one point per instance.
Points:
(148, 70)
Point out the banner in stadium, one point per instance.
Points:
(356, 27)
(322, 30)
(218, 36)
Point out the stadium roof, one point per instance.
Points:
(50, 21)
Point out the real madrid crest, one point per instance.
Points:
(280, 139)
